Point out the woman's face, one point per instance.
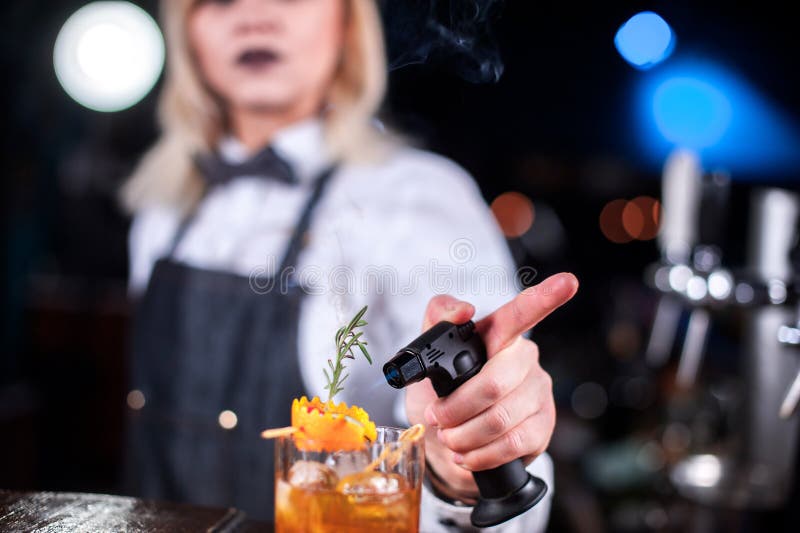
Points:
(267, 54)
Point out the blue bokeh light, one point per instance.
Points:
(698, 104)
(645, 40)
(690, 112)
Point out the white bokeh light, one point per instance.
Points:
(720, 284)
(109, 55)
(696, 288)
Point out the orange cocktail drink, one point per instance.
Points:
(339, 473)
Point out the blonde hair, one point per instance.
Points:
(192, 118)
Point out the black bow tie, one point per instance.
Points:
(266, 163)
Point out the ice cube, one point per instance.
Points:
(372, 487)
(346, 463)
(312, 475)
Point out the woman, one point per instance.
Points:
(273, 207)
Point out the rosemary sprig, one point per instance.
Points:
(347, 339)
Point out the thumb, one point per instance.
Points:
(445, 307)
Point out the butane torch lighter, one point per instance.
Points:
(450, 354)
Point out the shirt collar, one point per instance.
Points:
(302, 145)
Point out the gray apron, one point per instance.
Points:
(205, 342)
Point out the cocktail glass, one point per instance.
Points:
(374, 489)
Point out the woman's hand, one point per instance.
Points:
(506, 411)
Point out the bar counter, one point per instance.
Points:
(70, 511)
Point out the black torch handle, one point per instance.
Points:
(506, 491)
(501, 481)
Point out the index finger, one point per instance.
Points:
(527, 309)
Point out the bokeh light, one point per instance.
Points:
(135, 399)
(696, 288)
(645, 40)
(624, 340)
(690, 112)
(611, 222)
(650, 210)
(679, 276)
(633, 219)
(744, 293)
(632, 392)
(228, 419)
(108, 55)
(720, 284)
(697, 104)
(700, 470)
(589, 400)
(514, 213)
(622, 221)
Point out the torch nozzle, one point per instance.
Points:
(404, 369)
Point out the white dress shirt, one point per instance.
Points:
(388, 235)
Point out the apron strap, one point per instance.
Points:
(184, 224)
(296, 243)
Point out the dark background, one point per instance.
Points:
(557, 127)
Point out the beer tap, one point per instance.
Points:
(677, 236)
(690, 273)
(790, 401)
(710, 283)
(754, 468)
(789, 334)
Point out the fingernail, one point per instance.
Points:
(430, 418)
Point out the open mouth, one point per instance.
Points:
(257, 58)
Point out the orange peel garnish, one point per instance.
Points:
(326, 426)
(393, 456)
